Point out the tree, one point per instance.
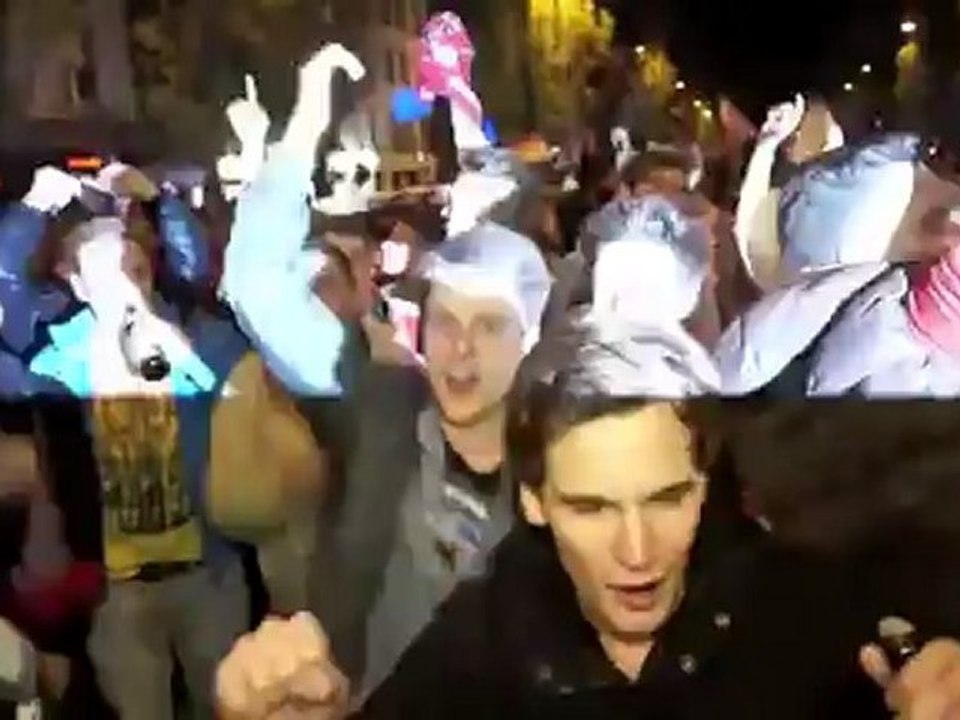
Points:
(566, 40)
(658, 74)
(911, 83)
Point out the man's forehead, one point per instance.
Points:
(462, 303)
(611, 446)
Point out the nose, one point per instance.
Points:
(633, 544)
(463, 343)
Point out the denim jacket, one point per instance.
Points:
(27, 304)
(62, 366)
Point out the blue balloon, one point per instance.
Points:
(408, 107)
(490, 131)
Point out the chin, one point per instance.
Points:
(463, 412)
(627, 624)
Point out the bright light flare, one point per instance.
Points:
(848, 87)
(680, 85)
(640, 49)
(908, 27)
(866, 68)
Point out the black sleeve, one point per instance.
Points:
(351, 561)
(450, 671)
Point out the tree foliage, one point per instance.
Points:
(567, 39)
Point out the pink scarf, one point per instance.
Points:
(446, 31)
(933, 303)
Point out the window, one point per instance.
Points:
(326, 11)
(391, 71)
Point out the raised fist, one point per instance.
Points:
(783, 120)
(283, 670)
(315, 80)
(315, 74)
(52, 190)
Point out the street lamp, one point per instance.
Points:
(698, 103)
(707, 114)
(908, 27)
(680, 85)
(848, 87)
(640, 49)
(866, 68)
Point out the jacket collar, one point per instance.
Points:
(559, 650)
(67, 360)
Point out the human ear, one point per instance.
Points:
(531, 503)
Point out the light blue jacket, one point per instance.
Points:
(298, 336)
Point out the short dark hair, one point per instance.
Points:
(560, 386)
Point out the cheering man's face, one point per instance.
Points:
(622, 497)
(473, 347)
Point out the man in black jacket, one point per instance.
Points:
(630, 591)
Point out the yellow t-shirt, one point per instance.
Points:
(148, 517)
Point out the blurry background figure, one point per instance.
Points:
(49, 581)
(267, 478)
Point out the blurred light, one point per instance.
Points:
(698, 103)
(421, 156)
(707, 114)
(84, 162)
(932, 152)
(680, 85)
(908, 26)
(641, 49)
(866, 68)
(848, 87)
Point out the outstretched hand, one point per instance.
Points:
(783, 120)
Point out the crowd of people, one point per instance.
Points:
(571, 439)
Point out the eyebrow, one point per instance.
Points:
(586, 498)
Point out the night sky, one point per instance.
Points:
(761, 51)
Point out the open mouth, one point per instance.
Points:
(637, 597)
(462, 384)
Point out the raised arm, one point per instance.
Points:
(754, 231)
(23, 301)
(297, 335)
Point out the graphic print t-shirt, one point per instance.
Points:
(148, 516)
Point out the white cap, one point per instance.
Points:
(492, 261)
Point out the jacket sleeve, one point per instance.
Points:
(299, 338)
(184, 241)
(24, 303)
(450, 671)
